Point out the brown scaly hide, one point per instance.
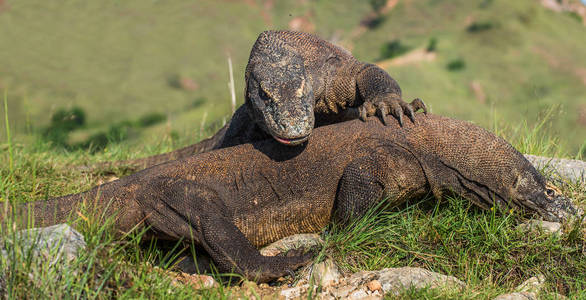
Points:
(233, 200)
(295, 81)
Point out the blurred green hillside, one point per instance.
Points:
(498, 63)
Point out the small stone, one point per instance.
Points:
(292, 293)
(66, 240)
(545, 226)
(196, 281)
(374, 285)
(306, 240)
(358, 294)
(517, 296)
(555, 296)
(263, 285)
(396, 279)
(533, 284)
(249, 285)
(107, 179)
(326, 273)
(344, 291)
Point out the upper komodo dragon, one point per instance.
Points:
(294, 81)
(233, 200)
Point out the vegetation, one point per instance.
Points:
(456, 65)
(121, 60)
(479, 27)
(392, 49)
(482, 248)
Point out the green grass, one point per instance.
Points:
(482, 248)
(121, 60)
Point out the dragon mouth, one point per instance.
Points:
(291, 142)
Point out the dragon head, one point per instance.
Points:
(279, 94)
(535, 194)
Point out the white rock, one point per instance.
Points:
(517, 296)
(532, 285)
(56, 245)
(307, 240)
(292, 293)
(326, 273)
(343, 291)
(358, 294)
(51, 243)
(547, 227)
(395, 279)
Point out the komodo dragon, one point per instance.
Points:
(233, 200)
(294, 81)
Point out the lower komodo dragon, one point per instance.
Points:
(233, 200)
(295, 81)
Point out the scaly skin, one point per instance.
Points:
(233, 200)
(295, 81)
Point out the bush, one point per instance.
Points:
(63, 121)
(479, 27)
(150, 119)
(377, 5)
(373, 21)
(68, 120)
(485, 3)
(456, 65)
(431, 45)
(392, 49)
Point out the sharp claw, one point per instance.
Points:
(410, 114)
(397, 111)
(408, 110)
(292, 274)
(382, 111)
(362, 113)
(419, 104)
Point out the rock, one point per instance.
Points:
(196, 281)
(555, 296)
(358, 294)
(106, 179)
(574, 170)
(326, 273)
(307, 240)
(52, 243)
(517, 296)
(392, 280)
(396, 279)
(374, 286)
(532, 285)
(58, 245)
(545, 226)
(294, 292)
(528, 290)
(343, 291)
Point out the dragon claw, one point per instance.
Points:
(383, 112)
(394, 106)
(417, 104)
(362, 113)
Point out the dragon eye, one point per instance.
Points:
(263, 95)
(550, 192)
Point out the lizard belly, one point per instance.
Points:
(263, 222)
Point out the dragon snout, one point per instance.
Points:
(560, 209)
(293, 128)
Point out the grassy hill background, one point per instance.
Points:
(499, 63)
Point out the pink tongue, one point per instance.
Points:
(282, 140)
